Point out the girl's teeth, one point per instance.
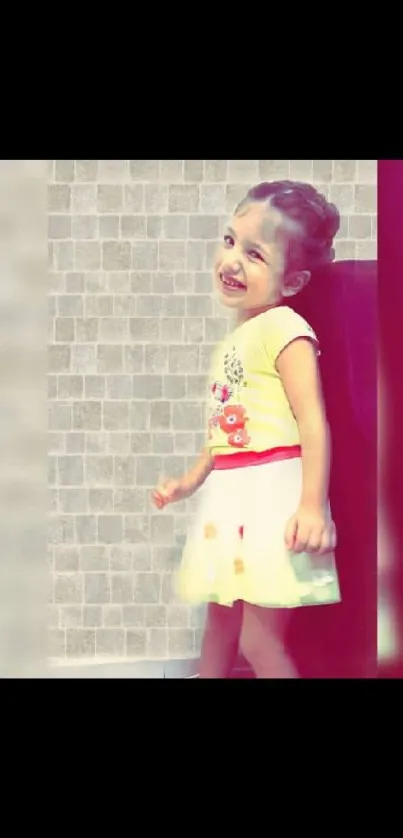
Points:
(233, 284)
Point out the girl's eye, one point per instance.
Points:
(256, 255)
(229, 241)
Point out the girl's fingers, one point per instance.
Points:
(314, 546)
(290, 533)
(302, 539)
(315, 540)
(157, 499)
(329, 540)
(325, 545)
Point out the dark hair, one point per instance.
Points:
(317, 221)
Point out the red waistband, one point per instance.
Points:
(242, 459)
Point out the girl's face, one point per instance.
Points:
(249, 268)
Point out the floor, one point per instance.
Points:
(134, 669)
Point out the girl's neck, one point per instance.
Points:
(244, 316)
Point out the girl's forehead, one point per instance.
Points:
(257, 222)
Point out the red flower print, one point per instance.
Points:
(214, 388)
(240, 532)
(233, 417)
(239, 438)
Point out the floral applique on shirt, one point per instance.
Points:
(231, 419)
(221, 392)
(239, 439)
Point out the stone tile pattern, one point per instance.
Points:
(132, 321)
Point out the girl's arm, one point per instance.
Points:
(171, 491)
(199, 473)
(298, 367)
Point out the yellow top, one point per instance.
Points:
(248, 408)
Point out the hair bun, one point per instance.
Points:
(331, 222)
(318, 220)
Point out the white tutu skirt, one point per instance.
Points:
(235, 549)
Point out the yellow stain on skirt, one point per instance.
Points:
(210, 531)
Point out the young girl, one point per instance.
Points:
(263, 540)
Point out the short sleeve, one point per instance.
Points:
(281, 327)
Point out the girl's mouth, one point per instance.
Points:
(231, 284)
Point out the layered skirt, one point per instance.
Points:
(235, 549)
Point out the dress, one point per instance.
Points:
(235, 549)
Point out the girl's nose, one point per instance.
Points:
(232, 267)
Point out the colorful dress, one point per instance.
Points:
(235, 549)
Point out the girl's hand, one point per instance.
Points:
(170, 491)
(311, 530)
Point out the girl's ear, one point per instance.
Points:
(294, 283)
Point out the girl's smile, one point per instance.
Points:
(231, 285)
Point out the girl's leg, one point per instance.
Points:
(220, 640)
(262, 641)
